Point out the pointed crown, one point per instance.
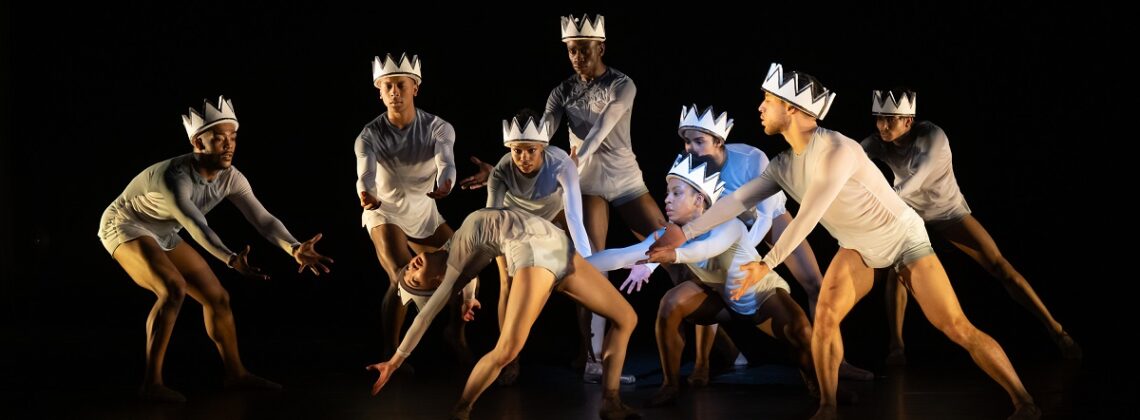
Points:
(718, 126)
(583, 28)
(528, 131)
(196, 122)
(386, 67)
(709, 185)
(892, 102)
(797, 90)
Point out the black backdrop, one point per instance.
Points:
(95, 93)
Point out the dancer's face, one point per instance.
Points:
(682, 202)
(397, 91)
(892, 127)
(215, 146)
(527, 156)
(773, 114)
(585, 55)
(426, 270)
(701, 143)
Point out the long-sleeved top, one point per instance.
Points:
(171, 195)
(744, 163)
(715, 257)
(400, 166)
(924, 171)
(598, 114)
(484, 235)
(836, 185)
(553, 189)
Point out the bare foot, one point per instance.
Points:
(666, 395)
(826, 412)
(251, 381)
(1069, 347)
(850, 372)
(1027, 411)
(460, 413)
(160, 393)
(897, 357)
(613, 408)
(700, 377)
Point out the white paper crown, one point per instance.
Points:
(388, 67)
(584, 28)
(884, 102)
(710, 185)
(718, 126)
(798, 92)
(197, 122)
(529, 131)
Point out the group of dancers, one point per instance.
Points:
(545, 225)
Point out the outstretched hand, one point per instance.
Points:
(308, 257)
(754, 271)
(469, 307)
(479, 180)
(240, 262)
(385, 369)
(638, 276)
(671, 239)
(441, 191)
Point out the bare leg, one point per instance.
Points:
(896, 312)
(150, 267)
(592, 290)
(392, 250)
(972, 238)
(933, 293)
(704, 338)
(680, 301)
(528, 295)
(504, 288)
(846, 281)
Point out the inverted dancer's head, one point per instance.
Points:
(894, 111)
(421, 276)
(693, 186)
(527, 136)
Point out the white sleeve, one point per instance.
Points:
(831, 172)
(469, 290)
(444, 136)
(365, 166)
(715, 243)
(933, 149)
(428, 312)
(572, 208)
(268, 226)
(496, 188)
(613, 259)
(553, 113)
(190, 217)
(620, 103)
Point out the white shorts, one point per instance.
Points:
(417, 218)
(910, 244)
(115, 230)
(554, 253)
(613, 175)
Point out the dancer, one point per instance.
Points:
(838, 186)
(540, 259)
(404, 162)
(140, 231)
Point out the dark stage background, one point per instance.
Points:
(95, 93)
